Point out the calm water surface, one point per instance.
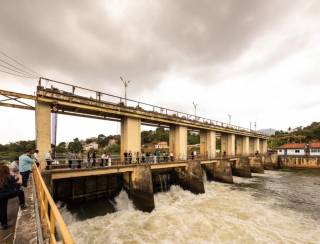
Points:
(275, 207)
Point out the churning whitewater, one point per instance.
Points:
(250, 211)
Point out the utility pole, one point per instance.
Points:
(195, 109)
(125, 83)
(229, 115)
(255, 126)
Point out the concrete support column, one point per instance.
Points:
(245, 146)
(264, 146)
(239, 145)
(43, 131)
(191, 178)
(141, 188)
(178, 142)
(207, 144)
(251, 146)
(228, 144)
(219, 170)
(130, 136)
(256, 145)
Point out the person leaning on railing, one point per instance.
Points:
(9, 188)
(25, 166)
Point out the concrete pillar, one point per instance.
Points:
(245, 146)
(130, 136)
(264, 146)
(191, 178)
(178, 142)
(43, 131)
(207, 144)
(141, 188)
(241, 167)
(228, 144)
(256, 145)
(251, 147)
(219, 170)
(239, 145)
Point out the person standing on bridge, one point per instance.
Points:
(9, 188)
(48, 159)
(36, 157)
(25, 166)
(94, 159)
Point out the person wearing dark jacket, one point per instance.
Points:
(9, 188)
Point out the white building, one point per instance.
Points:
(315, 149)
(292, 149)
(92, 145)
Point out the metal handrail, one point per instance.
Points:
(49, 213)
(163, 110)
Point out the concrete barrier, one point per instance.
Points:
(241, 167)
(191, 178)
(141, 188)
(267, 164)
(256, 164)
(219, 171)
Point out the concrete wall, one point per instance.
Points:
(43, 130)
(207, 144)
(300, 162)
(178, 142)
(130, 136)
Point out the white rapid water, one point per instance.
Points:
(224, 214)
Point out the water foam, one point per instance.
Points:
(221, 215)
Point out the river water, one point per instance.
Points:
(275, 207)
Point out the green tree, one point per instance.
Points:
(75, 146)
(102, 141)
(61, 148)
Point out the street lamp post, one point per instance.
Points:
(125, 83)
(195, 109)
(229, 115)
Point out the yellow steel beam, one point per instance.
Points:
(9, 105)
(17, 95)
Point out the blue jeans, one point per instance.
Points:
(25, 178)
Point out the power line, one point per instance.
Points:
(15, 67)
(4, 54)
(24, 76)
(16, 71)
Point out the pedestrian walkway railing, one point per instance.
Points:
(51, 219)
(98, 162)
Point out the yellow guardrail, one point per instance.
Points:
(49, 213)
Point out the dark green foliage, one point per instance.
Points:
(75, 146)
(296, 135)
(13, 150)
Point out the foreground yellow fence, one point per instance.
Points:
(49, 213)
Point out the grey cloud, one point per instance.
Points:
(82, 41)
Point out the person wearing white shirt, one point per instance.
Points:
(48, 159)
(36, 157)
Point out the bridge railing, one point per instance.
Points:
(69, 89)
(83, 162)
(49, 213)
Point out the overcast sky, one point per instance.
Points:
(256, 60)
